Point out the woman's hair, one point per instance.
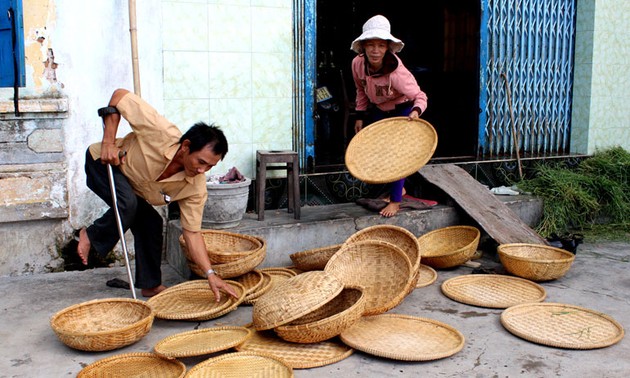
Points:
(200, 135)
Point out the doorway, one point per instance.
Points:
(441, 51)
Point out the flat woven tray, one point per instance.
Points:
(298, 356)
(562, 325)
(241, 364)
(426, 276)
(390, 149)
(201, 341)
(195, 302)
(402, 337)
(134, 365)
(492, 290)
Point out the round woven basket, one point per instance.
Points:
(103, 324)
(134, 365)
(232, 269)
(224, 247)
(195, 302)
(241, 364)
(398, 236)
(201, 341)
(381, 268)
(327, 321)
(314, 259)
(294, 298)
(535, 262)
(449, 246)
(390, 149)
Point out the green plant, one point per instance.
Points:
(594, 192)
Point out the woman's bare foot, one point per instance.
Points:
(152, 291)
(390, 210)
(83, 248)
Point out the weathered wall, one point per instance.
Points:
(601, 116)
(77, 54)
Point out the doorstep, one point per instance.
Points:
(326, 225)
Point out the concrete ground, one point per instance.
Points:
(598, 280)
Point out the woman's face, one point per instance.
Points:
(375, 50)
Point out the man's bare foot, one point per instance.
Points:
(152, 291)
(83, 248)
(390, 210)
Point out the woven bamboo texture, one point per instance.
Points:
(103, 324)
(562, 325)
(131, 365)
(327, 321)
(232, 269)
(426, 276)
(293, 298)
(314, 259)
(449, 246)
(492, 290)
(240, 365)
(195, 302)
(224, 247)
(390, 149)
(278, 275)
(398, 236)
(264, 287)
(298, 356)
(535, 262)
(251, 281)
(402, 337)
(202, 341)
(381, 268)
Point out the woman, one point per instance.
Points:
(385, 87)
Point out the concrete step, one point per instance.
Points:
(322, 226)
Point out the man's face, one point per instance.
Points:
(201, 161)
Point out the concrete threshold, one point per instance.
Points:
(326, 225)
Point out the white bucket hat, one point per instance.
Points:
(377, 27)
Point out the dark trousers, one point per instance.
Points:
(136, 214)
(376, 114)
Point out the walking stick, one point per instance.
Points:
(514, 133)
(121, 232)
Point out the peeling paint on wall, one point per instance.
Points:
(39, 22)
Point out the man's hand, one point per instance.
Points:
(110, 154)
(217, 284)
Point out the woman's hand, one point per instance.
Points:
(413, 115)
(358, 125)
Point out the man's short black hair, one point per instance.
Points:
(200, 135)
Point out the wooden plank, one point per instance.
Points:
(498, 220)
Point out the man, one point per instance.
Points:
(153, 165)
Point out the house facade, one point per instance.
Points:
(253, 67)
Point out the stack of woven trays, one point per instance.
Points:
(231, 254)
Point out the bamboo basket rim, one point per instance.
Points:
(238, 334)
(567, 256)
(270, 359)
(536, 322)
(87, 371)
(410, 145)
(64, 311)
